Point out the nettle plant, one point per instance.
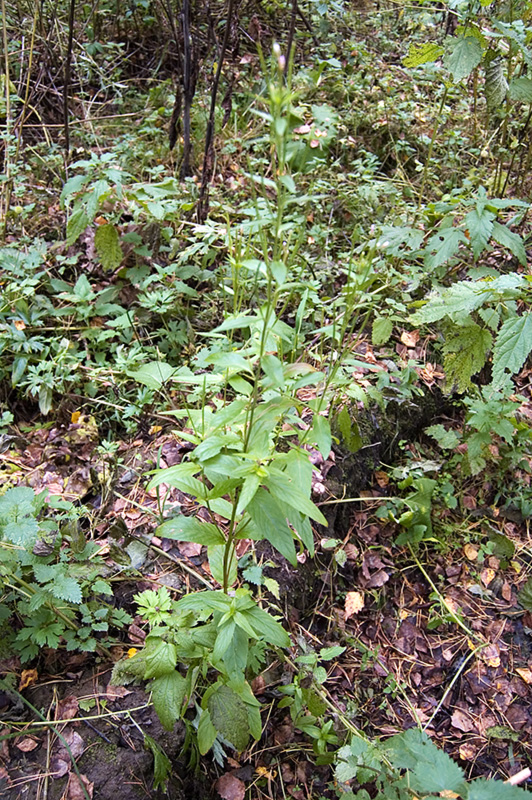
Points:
(51, 588)
(251, 475)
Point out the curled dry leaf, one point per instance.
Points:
(74, 788)
(28, 744)
(68, 708)
(525, 674)
(354, 602)
(27, 678)
(410, 338)
(230, 787)
(470, 552)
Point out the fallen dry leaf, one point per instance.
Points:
(354, 602)
(28, 744)
(470, 552)
(525, 674)
(27, 678)
(410, 338)
(189, 549)
(491, 655)
(462, 721)
(74, 788)
(68, 708)
(230, 787)
(487, 575)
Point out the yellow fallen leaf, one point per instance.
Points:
(470, 552)
(27, 678)
(354, 602)
(525, 674)
(74, 417)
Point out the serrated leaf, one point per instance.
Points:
(160, 658)
(465, 355)
(521, 90)
(66, 588)
(495, 84)
(229, 716)
(447, 439)
(507, 238)
(495, 790)
(525, 595)
(168, 693)
(456, 302)
(480, 227)
(503, 546)
(443, 246)
(75, 226)
(422, 54)
(381, 330)
(162, 766)
(206, 732)
(512, 347)
(191, 529)
(107, 244)
(400, 241)
(463, 55)
(431, 770)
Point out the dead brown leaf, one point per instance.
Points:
(462, 721)
(230, 787)
(525, 674)
(68, 707)
(28, 744)
(470, 552)
(410, 338)
(354, 602)
(27, 678)
(74, 788)
(189, 549)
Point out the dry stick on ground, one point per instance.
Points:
(203, 202)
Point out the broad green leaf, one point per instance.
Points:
(422, 54)
(286, 491)
(66, 588)
(153, 375)
(168, 694)
(443, 246)
(272, 631)
(330, 653)
(270, 522)
(160, 657)
(191, 529)
(512, 348)
(495, 790)
(229, 716)
(224, 639)
(206, 732)
(162, 766)
(456, 302)
(107, 244)
(525, 595)
(447, 439)
(521, 90)
(503, 548)
(480, 227)
(236, 322)
(381, 330)
(495, 84)
(216, 555)
(465, 352)
(507, 238)
(233, 361)
(249, 490)
(320, 435)
(75, 226)
(400, 242)
(462, 56)
(348, 427)
(18, 369)
(236, 654)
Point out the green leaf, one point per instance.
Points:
(525, 595)
(456, 302)
(330, 653)
(191, 529)
(507, 238)
(75, 226)
(400, 242)
(465, 355)
(512, 348)
(107, 244)
(168, 693)
(348, 428)
(216, 564)
(320, 435)
(160, 657)
(462, 56)
(66, 588)
(443, 246)
(285, 490)
(447, 439)
(270, 521)
(162, 766)
(381, 330)
(503, 546)
(18, 369)
(432, 770)
(481, 789)
(249, 490)
(153, 375)
(206, 732)
(229, 716)
(521, 90)
(422, 54)
(270, 629)
(480, 227)
(495, 84)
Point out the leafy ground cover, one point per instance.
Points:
(265, 404)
